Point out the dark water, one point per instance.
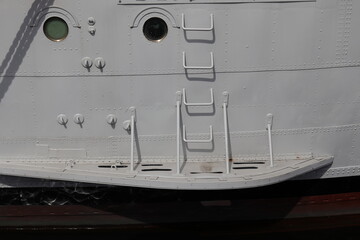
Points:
(167, 214)
(108, 195)
(183, 233)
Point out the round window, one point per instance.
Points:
(155, 29)
(56, 29)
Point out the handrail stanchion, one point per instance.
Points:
(178, 105)
(226, 131)
(269, 120)
(132, 129)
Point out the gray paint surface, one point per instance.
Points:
(297, 60)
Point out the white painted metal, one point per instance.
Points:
(198, 28)
(132, 134)
(199, 104)
(211, 66)
(269, 120)
(178, 142)
(210, 139)
(226, 131)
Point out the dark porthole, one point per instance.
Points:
(56, 29)
(155, 29)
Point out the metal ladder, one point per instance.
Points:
(181, 99)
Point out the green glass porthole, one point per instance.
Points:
(56, 29)
(155, 29)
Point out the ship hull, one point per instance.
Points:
(179, 95)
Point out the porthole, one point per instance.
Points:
(155, 29)
(56, 29)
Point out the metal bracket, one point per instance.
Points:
(198, 29)
(199, 67)
(199, 104)
(198, 141)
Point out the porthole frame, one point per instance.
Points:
(145, 30)
(52, 38)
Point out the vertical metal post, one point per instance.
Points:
(269, 120)
(178, 105)
(132, 144)
(132, 129)
(226, 131)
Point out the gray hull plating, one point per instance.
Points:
(232, 94)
